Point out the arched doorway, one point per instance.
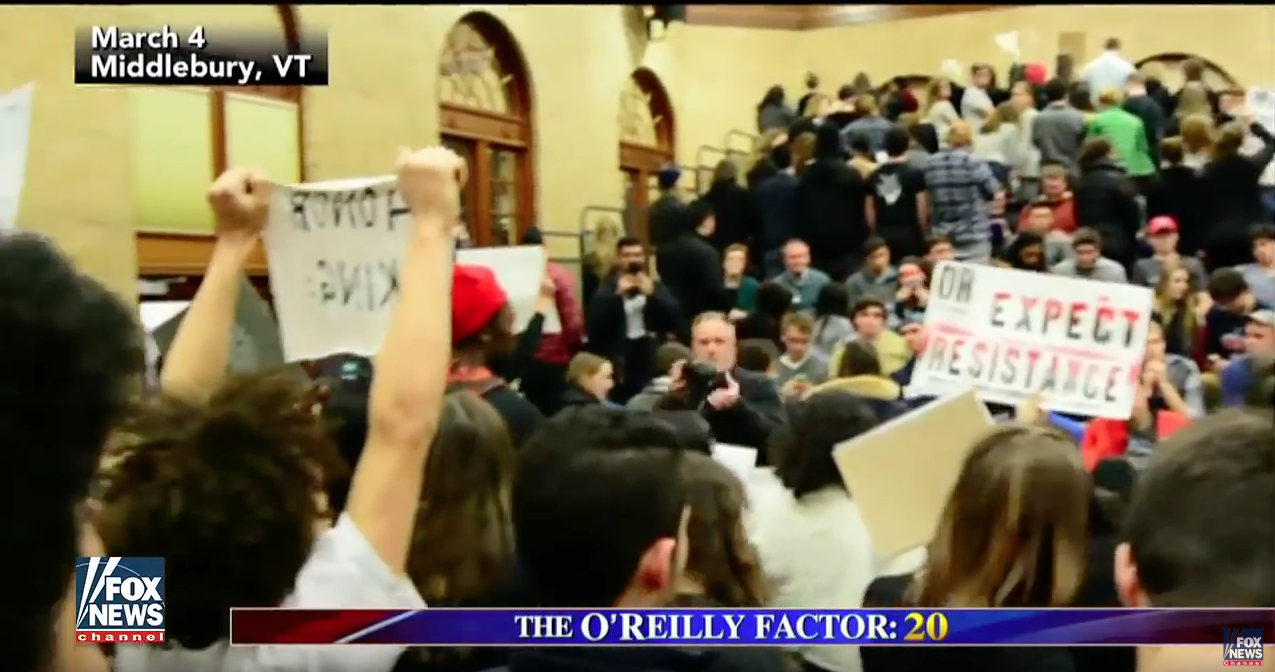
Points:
(177, 261)
(485, 116)
(1168, 68)
(646, 143)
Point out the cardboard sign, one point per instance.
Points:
(335, 250)
(1010, 334)
(902, 472)
(519, 270)
(15, 136)
(255, 344)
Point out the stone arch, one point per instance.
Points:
(485, 115)
(1168, 67)
(647, 142)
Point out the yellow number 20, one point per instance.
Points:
(933, 628)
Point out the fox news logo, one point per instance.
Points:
(1242, 647)
(119, 600)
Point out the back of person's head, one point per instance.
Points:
(925, 136)
(781, 156)
(668, 176)
(1095, 148)
(859, 358)
(465, 500)
(1171, 151)
(726, 171)
(720, 558)
(482, 319)
(774, 96)
(1055, 90)
(1014, 530)
(669, 354)
(960, 134)
(773, 299)
(866, 104)
(1226, 285)
(1111, 44)
(1193, 71)
(1197, 132)
(1229, 139)
(600, 510)
(1198, 531)
(828, 144)
(1005, 113)
(1110, 97)
(206, 484)
(73, 357)
(1192, 100)
(815, 105)
(846, 93)
(757, 355)
(860, 145)
(803, 150)
(802, 448)
(833, 299)
(897, 141)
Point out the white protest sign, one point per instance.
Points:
(741, 460)
(1012, 334)
(1262, 103)
(15, 136)
(519, 270)
(334, 250)
(1008, 43)
(902, 472)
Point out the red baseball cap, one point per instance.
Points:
(1162, 225)
(476, 298)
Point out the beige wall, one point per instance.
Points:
(1239, 38)
(384, 65)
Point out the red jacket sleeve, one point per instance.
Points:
(568, 309)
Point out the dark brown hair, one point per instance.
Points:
(1171, 151)
(720, 557)
(228, 491)
(1095, 148)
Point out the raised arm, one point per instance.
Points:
(197, 359)
(409, 382)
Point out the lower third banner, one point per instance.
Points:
(755, 627)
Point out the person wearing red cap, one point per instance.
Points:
(482, 324)
(1162, 234)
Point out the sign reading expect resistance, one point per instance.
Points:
(1012, 334)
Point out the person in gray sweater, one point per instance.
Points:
(1088, 261)
(1059, 129)
(801, 367)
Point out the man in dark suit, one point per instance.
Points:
(740, 406)
(667, 216)
(1145, 108)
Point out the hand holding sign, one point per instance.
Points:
(429, 181)
(240, 199)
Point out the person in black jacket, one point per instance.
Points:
(776, 198)
(1234, 198)
(1178, 193)
(830, 216)
(691, 269)
(733, 208)
(628, 318)
(742, 407)
(1107, 201)
(1144, 107)
(667, 215)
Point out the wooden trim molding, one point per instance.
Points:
(810, 17)
(643, 158)
(160, 254)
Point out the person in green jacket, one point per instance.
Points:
(1125, 133)
(738, 283)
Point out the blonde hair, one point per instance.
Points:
(1197, 132)
(1229, 139)
(960, 134)
(606, 233)
(584, 365)
(1166, 307)
(1110, 97)
(1014, 532)
(813, 104)
(1005, 113)
(932, 92)
(1192, 99)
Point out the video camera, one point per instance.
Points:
(701, 378)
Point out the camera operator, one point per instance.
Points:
(740, 406)
(629, 317)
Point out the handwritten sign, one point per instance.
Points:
(1012, 334)
(15, 136)
(519, 270)
(335, 249)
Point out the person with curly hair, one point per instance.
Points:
(225, 479)
(72, 355)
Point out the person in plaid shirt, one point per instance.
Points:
(962, 188)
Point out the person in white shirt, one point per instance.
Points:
(1110, 71)
(225, 479)
(976, 104)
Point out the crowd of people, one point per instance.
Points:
(468, 465)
